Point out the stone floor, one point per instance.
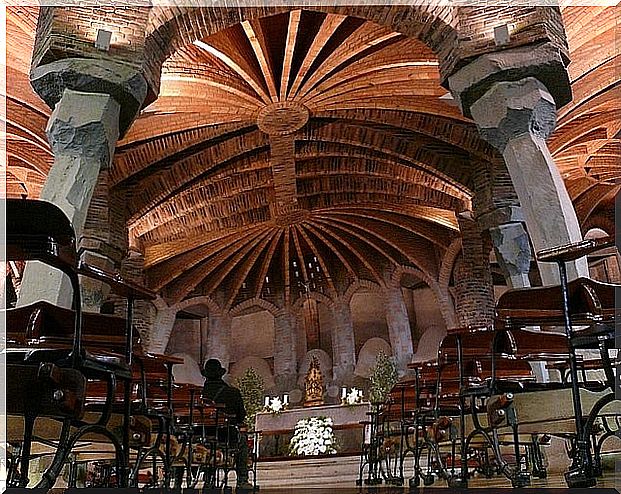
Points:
(338, 475)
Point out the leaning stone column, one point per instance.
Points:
(343, 343)
(399, 329)
(512, 253)
(219, 338)
(94, 103)
(285, 355)
(517, 117)
(511, 243)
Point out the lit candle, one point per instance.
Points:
(285, 399)
(267, 401)
(343, 393)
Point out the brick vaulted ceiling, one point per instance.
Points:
(312, 148)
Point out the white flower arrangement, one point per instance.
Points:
(313, 436)
(275, 405)
(353, 397)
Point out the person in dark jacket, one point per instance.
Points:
(218, 391)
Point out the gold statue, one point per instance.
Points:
(313, 384)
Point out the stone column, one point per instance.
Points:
(513, 253)
(511, 243)
(219, 338)
(285, 354)
(162, 328)
(517, 117)
(343, 343)
(94, 103)
(398, 327)
(474, 291)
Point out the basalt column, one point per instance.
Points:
(94, 102)
(515, 112)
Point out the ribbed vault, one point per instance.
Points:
(296, 149)
(301, 150)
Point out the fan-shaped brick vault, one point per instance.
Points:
(282, 151)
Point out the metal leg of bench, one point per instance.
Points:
(579, 474)
(29, 421)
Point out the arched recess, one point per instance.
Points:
(189, 329)
(314, 323)
(325, 364)
(604, 265)
(427, 299)
(368, 356)
(188, 372)
(202, 300)
(368, 312)
(254, 302)
(260, 366)
(358, 285)
(253, 333)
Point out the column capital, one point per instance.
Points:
(544, 62)
(124, 83)
(511, 109)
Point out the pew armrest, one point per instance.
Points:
(571, 252)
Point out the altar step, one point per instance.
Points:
(339, 471)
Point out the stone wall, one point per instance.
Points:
(186, 338)
(252, 335)
(369, 318)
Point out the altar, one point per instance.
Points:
(276, 430)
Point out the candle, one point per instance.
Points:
(285, 399)
(267, 401)
(343, 393)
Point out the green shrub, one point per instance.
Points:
(250, 385)
(383, 378)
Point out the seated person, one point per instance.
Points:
(216, 390)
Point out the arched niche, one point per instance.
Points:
(189, 372)
(261, 367)
(189, 332)
(368, 356)
(368, 315)
(429, 343)
(423, 307)
(252, 334)
(325, 364)
(603, 265)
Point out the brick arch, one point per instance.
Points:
(448, 263)
(171, 28)
(319, 297)
(357, 285)
(395, 278)
(204, 299)
(601, 221)
(440, 290)
(254, 302)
